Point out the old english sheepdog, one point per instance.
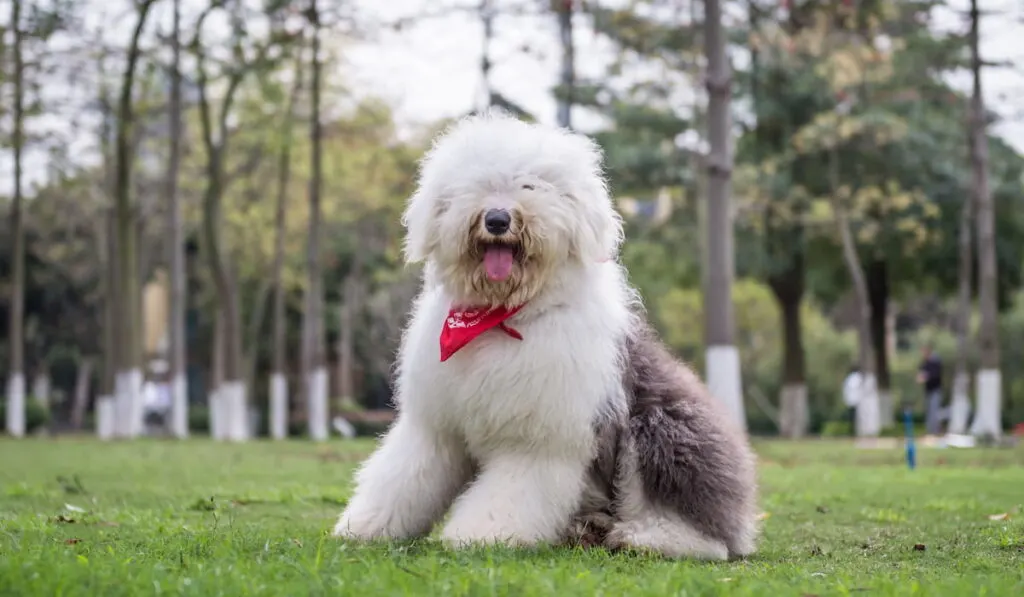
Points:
(535, 404)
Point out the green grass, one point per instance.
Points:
(200, 518)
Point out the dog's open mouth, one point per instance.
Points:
(499, 258)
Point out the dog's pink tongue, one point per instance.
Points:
(498, 263)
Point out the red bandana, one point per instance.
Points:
(462, 325)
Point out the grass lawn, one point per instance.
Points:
(199, 518)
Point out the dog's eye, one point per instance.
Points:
(528, 187)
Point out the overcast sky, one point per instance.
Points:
(431, 70)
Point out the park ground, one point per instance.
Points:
(80, 517)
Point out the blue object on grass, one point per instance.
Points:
(911, 450)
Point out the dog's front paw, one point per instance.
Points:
(358, 527)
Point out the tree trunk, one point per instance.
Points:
(961, 403)
(867, 424)
(278, 379)
(129, 370)
(81, 398)
(214, 404)
(15, 422)
(988, 415)
(788, 288)
(878, 292)
(106, 412)
(176, 243)
(350, 303)
(231, 396)
(723, 360)
(567, 74)
(106, 402)
(315, 365)
(486, 13)
(41, 385)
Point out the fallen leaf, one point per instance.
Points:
(72, 541)
(1003, 516)
(297, 542)
(64, 519)
(764, 516)
(919, 547)
(72, 508)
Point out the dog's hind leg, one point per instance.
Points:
(645, 526)
(518, 499)
(406, 485)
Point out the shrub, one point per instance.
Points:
(36, 415)
(829, 352)
(836, 429)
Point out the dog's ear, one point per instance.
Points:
(421, 229)
(599, 228)
(601, 232)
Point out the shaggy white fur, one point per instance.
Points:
(503, 433)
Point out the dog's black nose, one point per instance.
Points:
(497, 221)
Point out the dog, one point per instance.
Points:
(535, 403)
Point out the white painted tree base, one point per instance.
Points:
(234, 411)
(278, 406)
(960, 406)
(724, 380)
(216, 406)
(15, 423)
(138, 413)
(793, 415)
(868, 421)
(41, 390)
(179, 406)
(318, 423)
(886, 410)
(122, 405)
(987, 415)
(106, 417)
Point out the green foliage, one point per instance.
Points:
(837, 429)
(37, 416)
(199, 419)
(829, 352)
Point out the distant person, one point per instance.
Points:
(929, 375)
(851, 395)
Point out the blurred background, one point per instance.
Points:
(201, 198)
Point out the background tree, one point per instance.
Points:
(987, 419)
(177, 332)
(16, 376)
(279, 409)
(247, 56)
(128, 380)
(314, 358)
(723, 361)
(565, 9)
